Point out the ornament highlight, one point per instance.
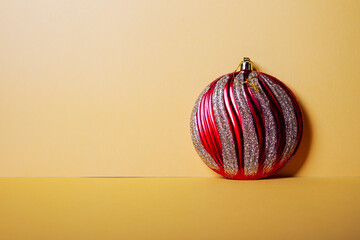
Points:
(246, 124)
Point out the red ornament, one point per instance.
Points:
(246, 124)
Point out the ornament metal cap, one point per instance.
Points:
(246, 65)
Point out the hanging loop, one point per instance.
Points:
(247, 65)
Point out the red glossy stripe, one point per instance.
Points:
(234, 122)
(213, 132)
(208, 132)
(201, 124)
(279, 119)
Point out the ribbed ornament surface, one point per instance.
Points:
(246, 129)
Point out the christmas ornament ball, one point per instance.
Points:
(246, 124)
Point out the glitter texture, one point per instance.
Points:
(251, 145)
(289, 115)
(270, 124)
(222, 123)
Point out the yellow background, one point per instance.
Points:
(106, 88)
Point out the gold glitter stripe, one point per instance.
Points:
(222, 123)
(250, 140)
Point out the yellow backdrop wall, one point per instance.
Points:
(106, 88)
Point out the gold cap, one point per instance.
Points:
(246, 65)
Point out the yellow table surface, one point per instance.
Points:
(179, 208)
